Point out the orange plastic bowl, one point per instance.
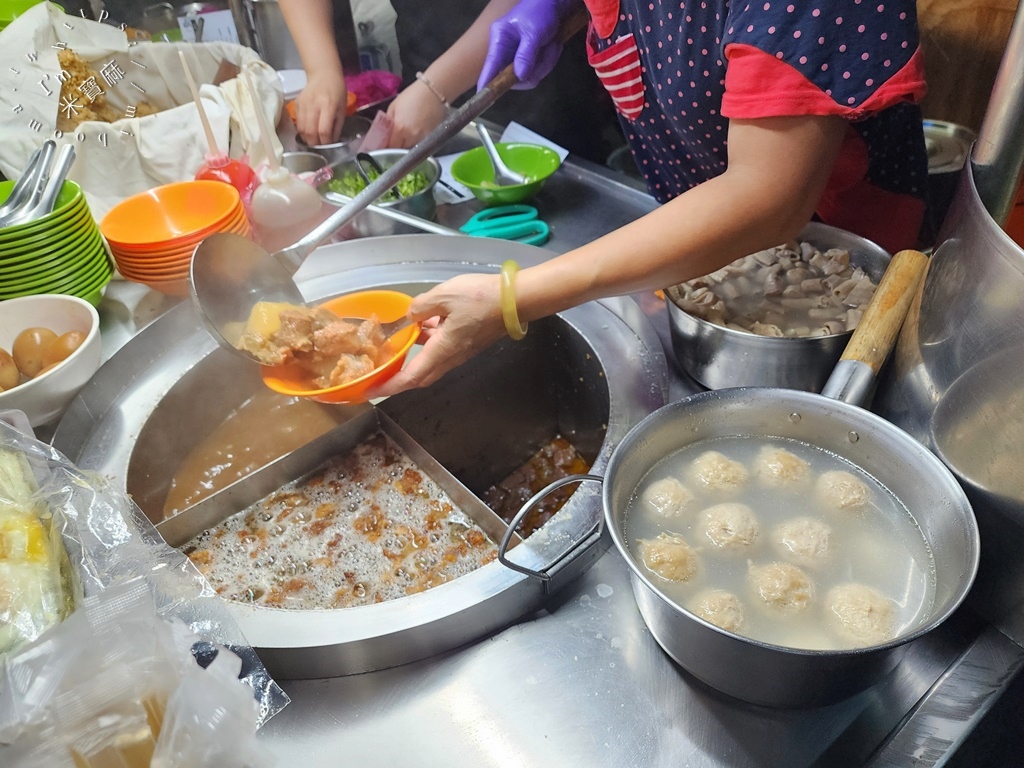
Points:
(237, 224)
(171, 213)
(388, 306)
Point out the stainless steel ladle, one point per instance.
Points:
(230, 274)
(503, 175)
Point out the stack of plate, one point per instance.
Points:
(61, 252)
(152, 235)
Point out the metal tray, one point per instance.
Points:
(189, 523)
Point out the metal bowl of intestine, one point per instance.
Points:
(780, 317)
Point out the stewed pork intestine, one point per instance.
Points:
(790, 290)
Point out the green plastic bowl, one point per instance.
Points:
(473, 170)
(35, 246)
(69, 199)
(70, 282)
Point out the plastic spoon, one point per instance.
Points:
(503, 175)
(218, 166)
(282, 200)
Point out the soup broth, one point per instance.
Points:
(872, 541)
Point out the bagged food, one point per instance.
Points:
(117, 685)
(125, 105)
(109, 545)
(35, 583)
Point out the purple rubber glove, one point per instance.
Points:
(526, 36)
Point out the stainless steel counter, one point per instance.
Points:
(582, 682)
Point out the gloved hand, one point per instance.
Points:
(527, 36)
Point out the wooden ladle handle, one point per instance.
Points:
(876, 333)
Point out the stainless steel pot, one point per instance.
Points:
(959, 358)
(772, 675)
(955, 377)
(421, 205)
(345, 148)
(719, 357)
(590, 373)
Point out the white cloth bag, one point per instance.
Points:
(120, 159)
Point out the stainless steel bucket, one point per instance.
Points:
(955, 378)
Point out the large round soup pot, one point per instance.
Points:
(768, 674)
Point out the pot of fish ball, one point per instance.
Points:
(777, 318)
(680, 503)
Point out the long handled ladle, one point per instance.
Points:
(231, 274)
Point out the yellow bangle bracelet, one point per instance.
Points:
(507, 299)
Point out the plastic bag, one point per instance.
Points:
(36, 589)
(109, 542)
(116, 685)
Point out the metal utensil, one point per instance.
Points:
(389, 329)
(53, 184)
(366, 157)
(395, 215)
(503, 175)
(29, 187)
(230, 274)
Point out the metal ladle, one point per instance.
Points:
(231, 274)
(503, 175)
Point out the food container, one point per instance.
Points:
(948, 146)
(719, 357)
(421, 204)
(575, 374)
(44, 398)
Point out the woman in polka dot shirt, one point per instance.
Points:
(747, 119)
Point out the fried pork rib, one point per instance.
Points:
(332, 350)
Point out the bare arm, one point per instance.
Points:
(777, 170)
(417, 110)
(320, 107)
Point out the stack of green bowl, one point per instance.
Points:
(62, 252)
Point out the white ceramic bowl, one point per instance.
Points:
(44, 398)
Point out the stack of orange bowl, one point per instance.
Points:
(152, 235)
(61, 252)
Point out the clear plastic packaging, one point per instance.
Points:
(36, 588)
(110, 544)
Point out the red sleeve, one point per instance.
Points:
(760, 85)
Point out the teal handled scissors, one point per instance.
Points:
(509, 222)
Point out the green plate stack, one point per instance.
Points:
(62, 252)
